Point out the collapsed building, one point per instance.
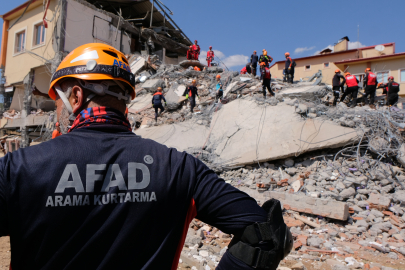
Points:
(37, 35)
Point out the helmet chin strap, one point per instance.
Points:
(72, 116)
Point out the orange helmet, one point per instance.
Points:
(197, 68)
(287, 54)
(218, 76)
(95, 61)
(347, 74)
(337, 71)
(194, 81)
(367, 69)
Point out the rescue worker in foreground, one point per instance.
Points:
(196, 50)
(337, 85)
(352, 88)
(370, 86)
(391, 89)
(157, 102)
(220, 91)
(254, 59)
(98, 195)
(266, 75)
(190, 53)
(191, 92)
(210, 56)
(289, 68)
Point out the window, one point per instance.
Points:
(402, 75)
(20, 42)
(308, 67)
(383, 76)
(325, 65)
(39, 34)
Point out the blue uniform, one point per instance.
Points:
(101, 197)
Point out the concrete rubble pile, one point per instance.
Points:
(338, 171)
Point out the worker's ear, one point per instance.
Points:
(77, 98)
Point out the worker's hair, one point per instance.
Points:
(106, 100)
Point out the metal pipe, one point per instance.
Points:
(139, 19)
(151, 15)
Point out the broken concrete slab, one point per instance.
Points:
(151, 85)
(309, 205)
(309, 92)
(191, 63)
(175, 135)
(141, 102)
(263, 133)
(172, 100)
(229, 88)
(180, 90)
(138, 65)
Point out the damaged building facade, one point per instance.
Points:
(37, 35)
(382, 59)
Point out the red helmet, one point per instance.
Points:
(57, 124)
(210, 47)
(390, 78)
(195, 41)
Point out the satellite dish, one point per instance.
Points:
(379, 48)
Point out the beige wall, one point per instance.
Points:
(18, 65)
(316, 63)
(342, 46)
(374, 53)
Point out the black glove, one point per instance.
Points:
(264, 245)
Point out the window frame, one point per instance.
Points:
(327, 66)
(15, 53)
(34, 36)
(307, 69)
(383, 71)
(399, 75)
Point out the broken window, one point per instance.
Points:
(39, 34)
(308, 67)
(19, 42)
(383, 76)
(326, 65)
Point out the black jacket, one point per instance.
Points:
(254, 59)
(95, 198)
(336, 80)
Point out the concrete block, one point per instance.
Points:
(310, 205)
(151, 85)
(378, 199)
(137, 65)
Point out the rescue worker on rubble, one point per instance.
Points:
(97, 197)
(196, 50)
(337, 85)
(157, 102)
(289, 68)
(56, 131)
(220, 91)
(210, 56)
(254, 59)
(370, 86)
(391, 89)
(266, 75)
(264, 58)
(352, 88)
(190, 53)
(191, 92)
